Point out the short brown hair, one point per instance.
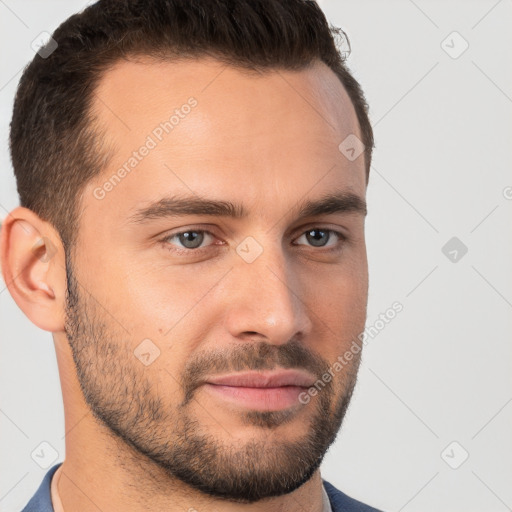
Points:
(55, 148)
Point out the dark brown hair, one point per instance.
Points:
(55, 147)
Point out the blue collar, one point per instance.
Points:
(42, 501)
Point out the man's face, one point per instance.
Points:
(196, 336)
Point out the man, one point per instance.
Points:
(192, 178)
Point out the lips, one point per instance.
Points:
(269, 379)
(260, 391)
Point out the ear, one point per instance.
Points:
(33, 268)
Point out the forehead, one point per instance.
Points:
(207, 124)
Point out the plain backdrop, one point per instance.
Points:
(429, 427)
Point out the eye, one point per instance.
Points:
(320, 237)
(188, 240)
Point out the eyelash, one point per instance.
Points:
(165, 241)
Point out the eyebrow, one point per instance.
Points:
(176, 206)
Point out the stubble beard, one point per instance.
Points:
(122, 397)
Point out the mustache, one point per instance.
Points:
(250, 356)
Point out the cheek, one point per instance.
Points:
(343, 294)
(161, 300)
(339, 308)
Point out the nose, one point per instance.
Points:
(265, 299)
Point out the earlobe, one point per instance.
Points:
(33, 268)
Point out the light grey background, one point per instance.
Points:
(441, 370)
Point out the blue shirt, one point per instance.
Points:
(340, 502)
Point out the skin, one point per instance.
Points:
(268, 141)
